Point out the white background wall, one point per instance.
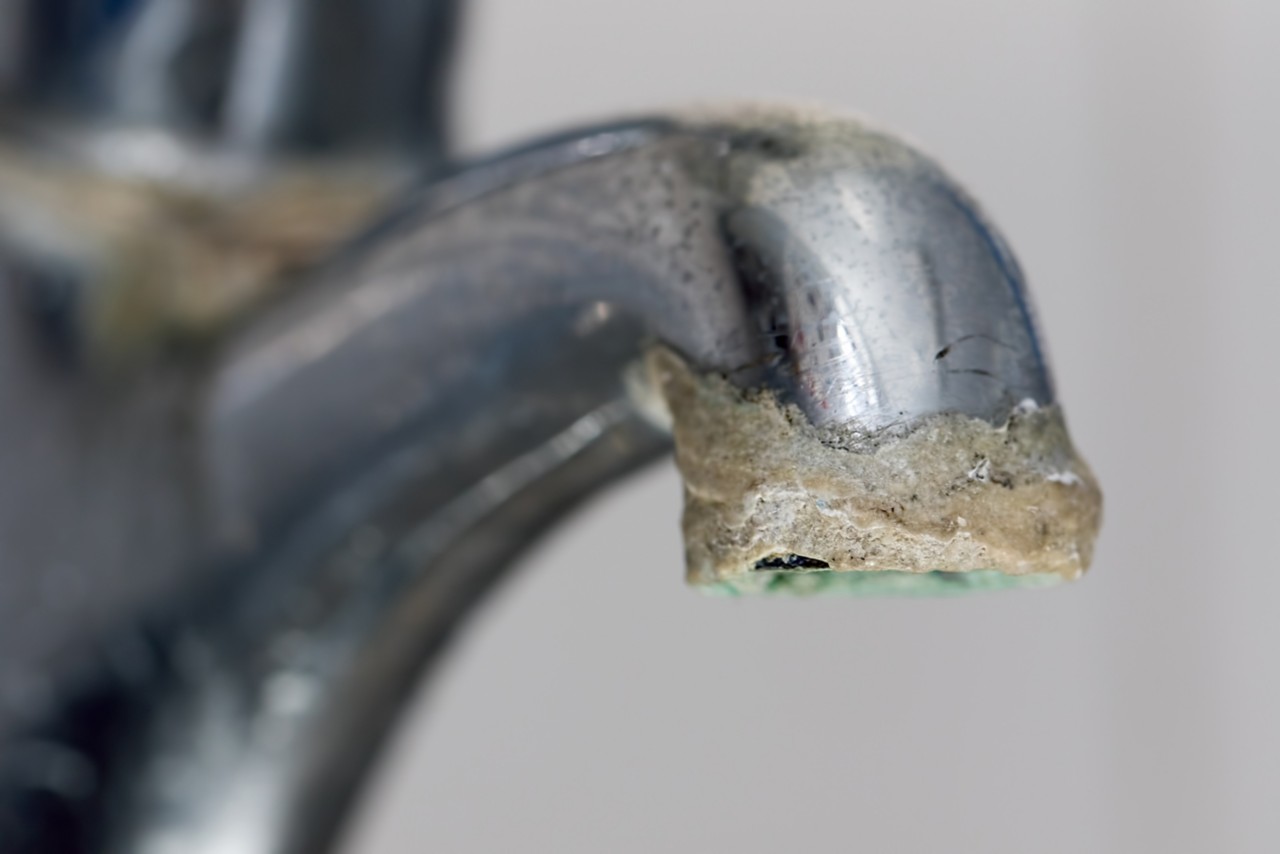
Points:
(1128, 148)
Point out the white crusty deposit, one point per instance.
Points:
(772, 501)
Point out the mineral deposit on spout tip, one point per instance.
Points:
(948, 502)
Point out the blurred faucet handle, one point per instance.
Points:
(278, 76)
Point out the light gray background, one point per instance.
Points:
(1128, 150)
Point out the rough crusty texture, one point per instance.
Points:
(949, 502)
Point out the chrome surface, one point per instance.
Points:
(255, 75)
(259, 545)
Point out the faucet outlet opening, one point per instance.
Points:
(942, 505)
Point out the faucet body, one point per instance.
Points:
(226, 557)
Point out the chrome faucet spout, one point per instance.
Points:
(276, 510)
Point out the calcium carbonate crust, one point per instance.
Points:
(770, 498)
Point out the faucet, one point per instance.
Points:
(285, 389)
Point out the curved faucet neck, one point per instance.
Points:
(377, 449)
(372, 451)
